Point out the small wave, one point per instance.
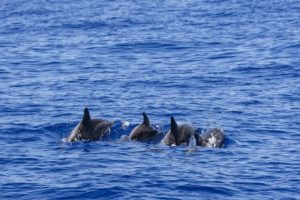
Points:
(207, 189)
(85, 25)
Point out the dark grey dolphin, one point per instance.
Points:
(179, 134)
(90, 129)
(212, 138)
(144, 131)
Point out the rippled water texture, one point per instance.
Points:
(228, 64)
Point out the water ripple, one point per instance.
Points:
(208, 63)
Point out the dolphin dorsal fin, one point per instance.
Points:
(174, 130)
(86, 120)
(146, 121)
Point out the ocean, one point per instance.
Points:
(210, 63)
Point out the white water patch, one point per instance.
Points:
(125, 124)
(159, 128)
(65, 139)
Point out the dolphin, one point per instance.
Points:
(90, 129)
(180, 134)
(213, 137)
(144, 131)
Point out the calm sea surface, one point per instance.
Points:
(229, 64)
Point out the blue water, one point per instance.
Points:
(211, 63)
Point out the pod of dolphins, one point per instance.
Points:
(94, 129)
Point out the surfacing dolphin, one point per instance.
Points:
(178, 135)
(144, 131)
(90, 129)
(183, 134)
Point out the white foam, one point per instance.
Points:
(125, 124)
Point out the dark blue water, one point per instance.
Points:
(228, 64)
